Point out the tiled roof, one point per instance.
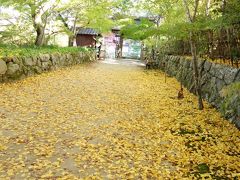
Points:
(87, 31)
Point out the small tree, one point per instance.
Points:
(37, 11)
(82, 13)
(191, 16)
(175, 26)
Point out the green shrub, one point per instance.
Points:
(27, 51)
(231, 104)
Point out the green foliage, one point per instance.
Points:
(38, 13)
(98, 15)
(19, 33)
(27, 51)
(215, 26)
(231, 90)
(82, 13)
(105, 14)
(231, 14)
(138, 31)
(231, 96)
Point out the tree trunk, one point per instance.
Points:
(229, 45)
(39, 27)
(196, 74)
(192, 39)
(71, 41)
(72, 30)
(210, 44)
(74, 33)
(40, 35)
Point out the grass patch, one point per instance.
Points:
(203, 168)
(29, 51)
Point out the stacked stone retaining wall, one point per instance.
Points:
(14, 68)
(215, 78)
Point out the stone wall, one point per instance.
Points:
(21, 67)
(216, 79)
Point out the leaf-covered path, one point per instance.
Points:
(111, 121)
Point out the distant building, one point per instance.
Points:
(112, 43)
(116, 46)
(86, 37)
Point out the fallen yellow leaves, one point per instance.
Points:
(2, 147)
(111, 122)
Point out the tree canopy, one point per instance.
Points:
(165, 23)
(43, 14)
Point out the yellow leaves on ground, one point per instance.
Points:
(111, 122)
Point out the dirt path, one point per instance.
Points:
(111, 120)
